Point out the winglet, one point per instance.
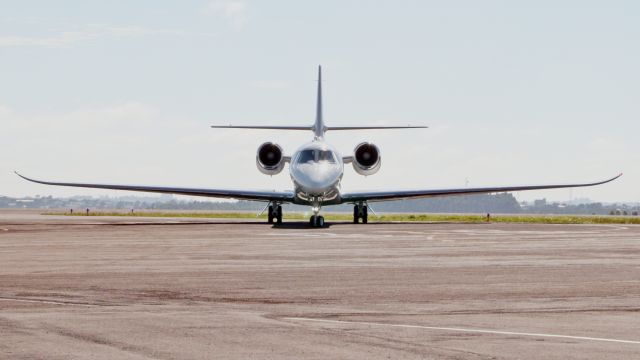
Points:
(33, 180)
(24, 177)
(602, 182)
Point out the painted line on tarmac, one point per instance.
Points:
(43, 301)
(481, 331)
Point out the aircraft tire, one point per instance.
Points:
(279, 214)
(365, 215)
(320, 221)
(270, 215)
(356, 215)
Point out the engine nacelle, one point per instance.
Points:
(269, 159)
(366, 159)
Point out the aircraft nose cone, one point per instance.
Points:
(316, 178)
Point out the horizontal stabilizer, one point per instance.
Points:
(374, 127)
(327, 128)
(262, 127)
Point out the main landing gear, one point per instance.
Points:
(360, 212)
(275, 214)
(316, 221)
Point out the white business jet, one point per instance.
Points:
(316, 170)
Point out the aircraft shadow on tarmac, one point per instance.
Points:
(305, 225)
(295, 225)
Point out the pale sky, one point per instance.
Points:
(124, 92)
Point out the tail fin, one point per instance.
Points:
(318, 126)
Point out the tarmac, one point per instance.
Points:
(148, 288)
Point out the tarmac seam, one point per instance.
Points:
(482, 331)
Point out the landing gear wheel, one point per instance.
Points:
(316, 221)
(360, 211)
(270, 215)
(279, 214)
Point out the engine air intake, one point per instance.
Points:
(269, 158)
(366, 159)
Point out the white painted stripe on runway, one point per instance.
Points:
(482, 331)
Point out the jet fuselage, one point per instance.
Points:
(316, 170)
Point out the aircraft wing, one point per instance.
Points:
(283, 196)
(409, 194)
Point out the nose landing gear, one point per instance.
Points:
(320, 221)
(316, 221)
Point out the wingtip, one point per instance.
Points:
(614, 178)
(22, 176)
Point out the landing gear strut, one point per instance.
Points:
(316, 221)
(275, 214)
(360, 212)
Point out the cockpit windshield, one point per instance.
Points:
(315, 156)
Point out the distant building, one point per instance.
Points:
(540, 202)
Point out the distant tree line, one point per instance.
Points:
(543, 207)
(503, 203)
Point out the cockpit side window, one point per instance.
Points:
(326, 155)
(306, 156)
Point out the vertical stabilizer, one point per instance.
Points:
(318, 126)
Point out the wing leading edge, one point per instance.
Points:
(408, 194)
(282, 196)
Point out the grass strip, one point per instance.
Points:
(462, 218)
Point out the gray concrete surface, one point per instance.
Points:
(118, 288)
